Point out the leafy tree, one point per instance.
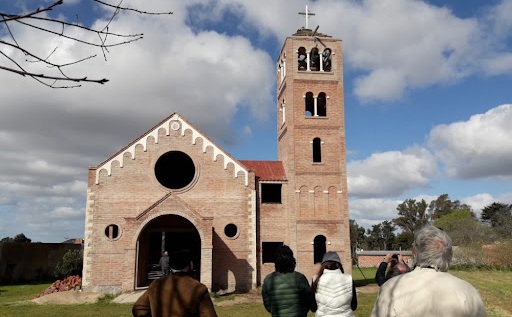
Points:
(20, 238)
(381, 236)
(71, 264)
(388, 234)
(6, 239)
(357, 236)
(357, 239)
(404, 240)
(412, 215)
(48, 18)
(499, 216)
(463, 227)
(442, 206)
(496, 214)
(374, 237)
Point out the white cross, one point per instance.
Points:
(307, 14)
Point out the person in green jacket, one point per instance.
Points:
(285, 292)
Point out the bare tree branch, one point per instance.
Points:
(15, 57)
(9, 17)
(118, 7)
(82, 79)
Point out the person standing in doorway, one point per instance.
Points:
(164, 263)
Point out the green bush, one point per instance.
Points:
(71, 264)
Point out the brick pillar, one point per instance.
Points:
(87, 261)
(206, 252)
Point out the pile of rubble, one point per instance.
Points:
(70, 283)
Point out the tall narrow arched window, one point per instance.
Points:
(280, 71)
(322, 104)
(309, 104)
(314, 57)
(283, 112)
(283, 67)
(302, 59)
(319, 248)
(317, 150)
(326, 60)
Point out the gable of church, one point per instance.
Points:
(172, 124)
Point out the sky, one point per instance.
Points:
(428, 99)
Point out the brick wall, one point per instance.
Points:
(23, 262)
(374, 258)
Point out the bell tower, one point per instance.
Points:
(311, 145)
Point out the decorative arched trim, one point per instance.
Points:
(174, 122)
(194, 221)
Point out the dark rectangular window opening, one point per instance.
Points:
(269, 251)
(271, 193)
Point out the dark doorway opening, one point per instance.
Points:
(169, 233)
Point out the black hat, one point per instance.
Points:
(331, 256)
(180, 260)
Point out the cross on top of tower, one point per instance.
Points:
(307, 14)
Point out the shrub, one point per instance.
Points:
(71, 264)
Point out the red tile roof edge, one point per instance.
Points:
(266, 170)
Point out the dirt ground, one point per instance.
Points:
(368, 289)
(255, 296)
(69, 297)
(230, 300)
(74, 297)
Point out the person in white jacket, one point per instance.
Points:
(334, 290)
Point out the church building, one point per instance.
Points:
(174, 188)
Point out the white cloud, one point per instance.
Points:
(390, 82)
(478, 202)
(477, 148)
(401, 45)
(498, 18)
(368, 212)
(394, 45)
(50, 137)
(501, 64)
(66, 213)
(390, 173)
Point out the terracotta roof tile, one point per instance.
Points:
(267, 170)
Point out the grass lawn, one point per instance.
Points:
(494, 286)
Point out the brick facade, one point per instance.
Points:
(219, 212)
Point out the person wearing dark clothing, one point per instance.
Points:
(396, 267)
(164, 263)
(176, 295)
(380, 275)
(285, 292)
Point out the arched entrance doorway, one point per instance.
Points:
(165, 233)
